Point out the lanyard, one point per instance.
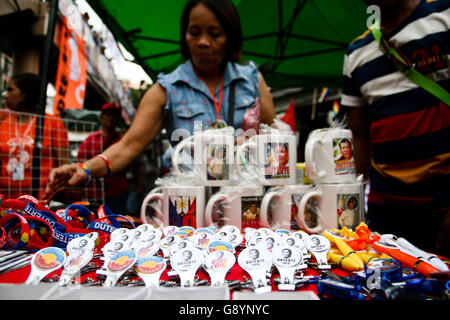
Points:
(402, 63)
(218, 105)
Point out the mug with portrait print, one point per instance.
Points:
(279, 207)
(235, 205)
(329, 206)
(269, 158)
(212, 160)
(329, 156)
(175, 205)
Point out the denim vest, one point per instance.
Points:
(190, 106)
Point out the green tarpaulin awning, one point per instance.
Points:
(297, 42)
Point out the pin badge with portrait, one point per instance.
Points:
(319, 246)
(118, 265)
(145, 227)
(167, 242)
(81, 252)
(169, 230)
(201, 240)
(117, 233)
(80, 244)
(287, 259)
(186, 263)
(151, 235)
(256, 260)
(297, 244)
(235, 239)
(300, 234)
(146, 248)
(44, 262)
(183, 244)
(217, 264)
(110, 250)
(73, 264)
(150, 270)
(230, 229)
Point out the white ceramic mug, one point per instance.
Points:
(329, 156)
(177, 205)
(240, 206)
(272, 159)
(279, 207)
(336, 205)
(213, 157)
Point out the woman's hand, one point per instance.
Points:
(63, 176)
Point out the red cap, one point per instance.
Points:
(111, 106)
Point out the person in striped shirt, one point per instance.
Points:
(401, 132)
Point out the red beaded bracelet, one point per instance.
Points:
(108, 163)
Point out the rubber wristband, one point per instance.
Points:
(108, 163)
(8, 222)
(88, 172)
(3, 237)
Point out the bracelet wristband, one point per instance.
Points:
(3, 237)
(88, 172)
(107, 162)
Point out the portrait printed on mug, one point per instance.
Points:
(216, 162)
(343, 156)
(276, 162)
(348, 210)
(250, 211)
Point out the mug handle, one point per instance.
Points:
(212, 201)
(149, 197)
(301, 212)
(240, 155)
(189, 142)
(311, 168)
(263, 220)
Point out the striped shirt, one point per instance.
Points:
(409, 128)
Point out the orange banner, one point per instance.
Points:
(71, 74)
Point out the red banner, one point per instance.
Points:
(71, 74)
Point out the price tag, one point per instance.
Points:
(150, 270)
(44, 262)
(117, 265)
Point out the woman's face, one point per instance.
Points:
(14, 96)
(206, 39)
(282, 154)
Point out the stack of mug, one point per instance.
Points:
(337, 199)
(242, 174)
(254, 184)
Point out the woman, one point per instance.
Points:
(17, 133)
(196, 92)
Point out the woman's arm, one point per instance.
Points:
(146, 125)
(267, 114)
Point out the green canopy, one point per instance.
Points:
(296, 42)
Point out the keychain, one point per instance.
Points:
(118, 265)
(256, 260)
(44, 262)
(150, 270)
(217, 264)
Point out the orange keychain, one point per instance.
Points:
(412, 262)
